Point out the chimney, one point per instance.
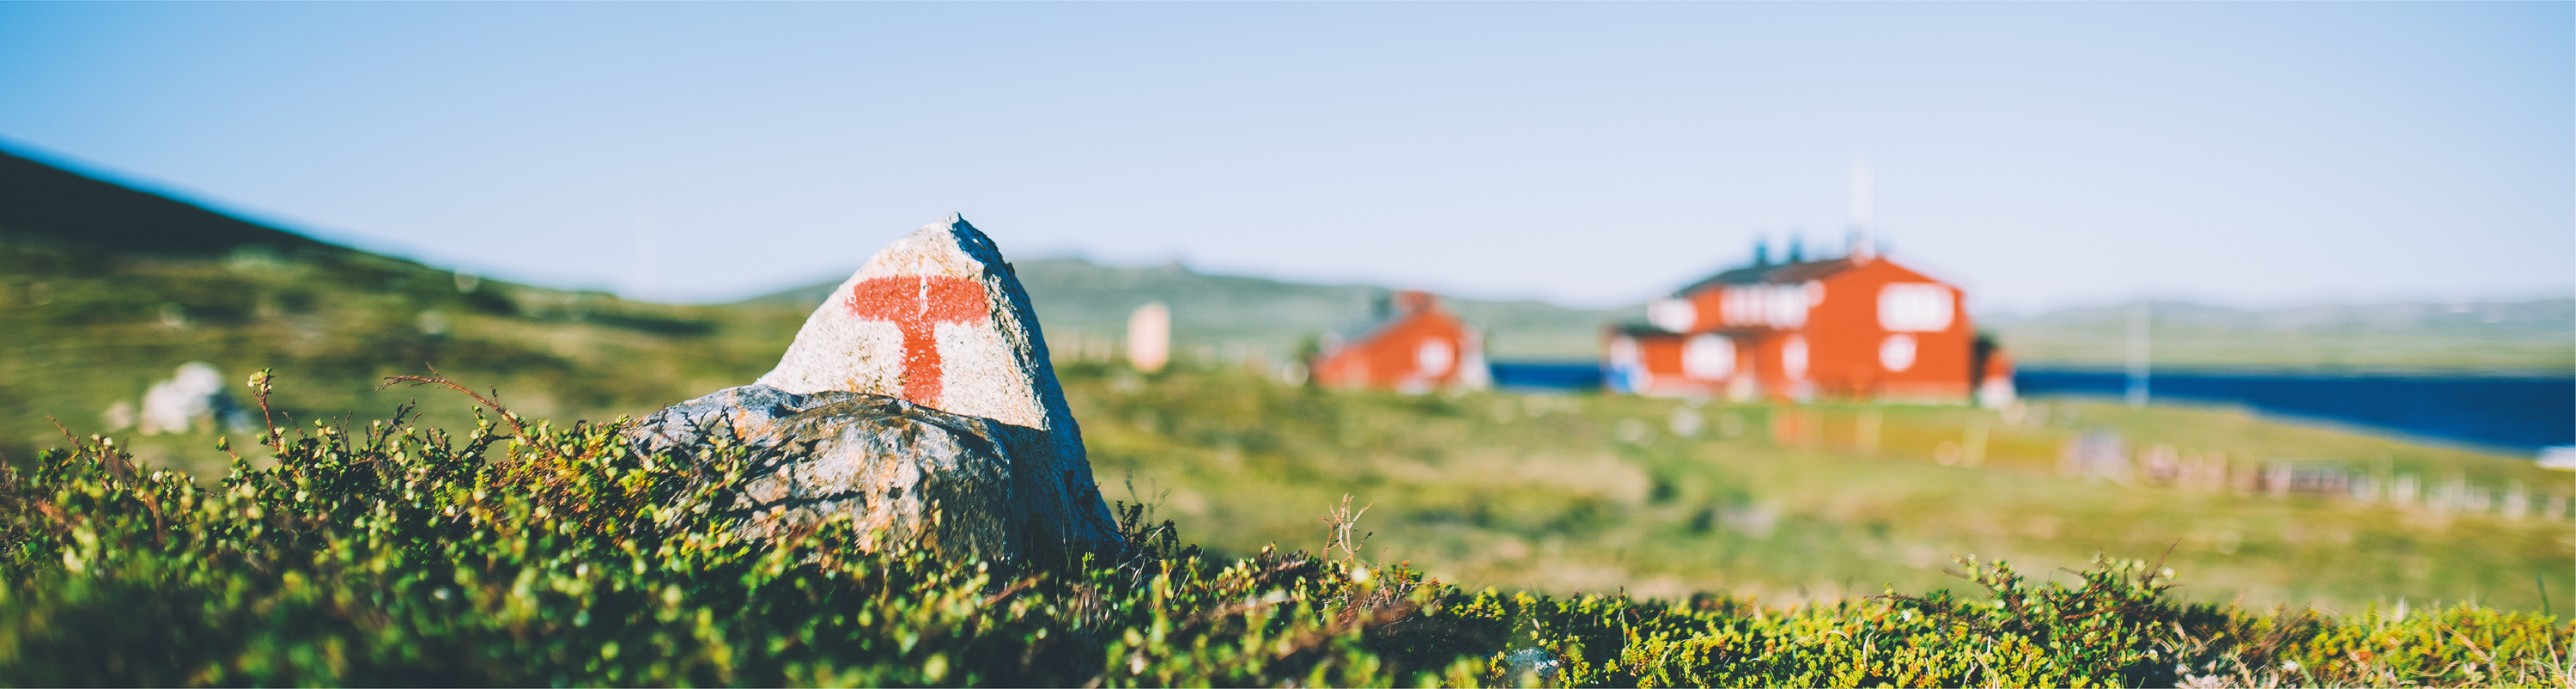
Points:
(1409, 302)
(1761, 252)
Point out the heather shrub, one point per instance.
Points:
(524, 553)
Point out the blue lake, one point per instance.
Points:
(1547, 375)
(2520, 414)
(2512, 413)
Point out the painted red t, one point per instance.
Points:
(916, 305)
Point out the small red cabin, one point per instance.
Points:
(1859, 327)
(1414, 347)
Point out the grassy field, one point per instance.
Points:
(1663, 497)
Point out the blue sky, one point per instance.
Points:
(2042, 154)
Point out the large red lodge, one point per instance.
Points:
(1860, 327)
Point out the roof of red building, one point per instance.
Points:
(1773, 274)
(1392, 308)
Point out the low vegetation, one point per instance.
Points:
(386, 552)
(1828, 502)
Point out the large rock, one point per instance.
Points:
(909, 473)
(936, 321)
(192, 400)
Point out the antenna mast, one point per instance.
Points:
(1863, 247)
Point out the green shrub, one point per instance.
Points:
(389, 553)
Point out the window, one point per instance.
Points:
(1914, 307)
(1897, 352)
(1709, 356)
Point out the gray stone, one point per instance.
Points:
(939, 321)
(745, 415)
(191, 401)
(900, 472)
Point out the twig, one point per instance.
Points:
(1356, 622)
(259, 385)
(107, 456)
(59, 517)
(1338, 524)
(2466, 641)
(436, 378)
(1021, 585)
(2160, 564)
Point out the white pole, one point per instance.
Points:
(2138, 355)
(1864, 212)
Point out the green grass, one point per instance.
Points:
(384, 553)
(1542, 492)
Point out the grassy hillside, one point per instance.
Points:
(82, 332)
(104, 290)
(2486, 338)
(50, 206)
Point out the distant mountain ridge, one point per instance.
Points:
(2533, 316)
(47, 204)
(2523, 338)
(1080, 303)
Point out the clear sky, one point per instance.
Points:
(2041, 154)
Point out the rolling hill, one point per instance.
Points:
(105, 289)
(2528, 338)
(1218, 316)
(48, 207)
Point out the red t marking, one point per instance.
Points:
(916, 305)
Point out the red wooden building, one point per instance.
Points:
(1414, 347)
(1859, 327)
